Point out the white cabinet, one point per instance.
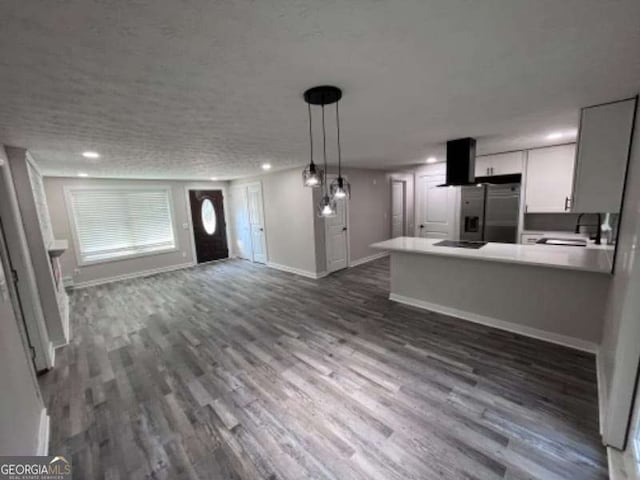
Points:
(603, 152)
(549, 179)
(499, 164)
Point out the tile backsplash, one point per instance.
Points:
(550, 222)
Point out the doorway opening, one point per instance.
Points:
(209, 225)
(398, 208)
(336, 236)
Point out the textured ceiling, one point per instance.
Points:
(200, 88)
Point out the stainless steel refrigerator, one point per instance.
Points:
(490, 212)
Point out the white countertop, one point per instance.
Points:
(553, 256)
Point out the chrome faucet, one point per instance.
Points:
(599, 225)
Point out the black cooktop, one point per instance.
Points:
(460, 244)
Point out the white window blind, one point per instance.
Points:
(114, 223)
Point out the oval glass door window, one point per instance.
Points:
(208, 216)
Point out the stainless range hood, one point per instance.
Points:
(461, 162)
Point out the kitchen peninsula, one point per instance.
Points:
(554, 293)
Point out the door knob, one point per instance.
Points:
(262, 229)
(421, 226)
(344, 229)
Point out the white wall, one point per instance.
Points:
(289, 220)
(620, 350)
(295, 233)
(369, 210)
(88, 274)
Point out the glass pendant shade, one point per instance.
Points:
(312, 176)
(327, 207)
(340, 189)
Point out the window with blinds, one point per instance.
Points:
(112, 223)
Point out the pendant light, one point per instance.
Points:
(327, 206)
(312, 176)
(322, 95)
(340, 188)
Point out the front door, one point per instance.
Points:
(256, 223)
(336, 237)
(209, 226)
(437, 208)
(397, 209)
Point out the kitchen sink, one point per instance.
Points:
(563, 242)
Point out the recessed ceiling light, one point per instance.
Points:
(214, 178)
(90, 154)
(82, 174)
(432, 160)
(554, 136)
(266, 166)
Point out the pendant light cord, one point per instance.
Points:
(339, 151)
(310, 135)
(324, 151)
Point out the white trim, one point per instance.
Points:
(42, 449)
(602, 392)
(33, 163)
(128, 276)
(52, 354)
(556, 338)
(297, 271)
(81, 262)
(367, 259)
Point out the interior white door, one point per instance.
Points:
(336, 238)
(397, 209)
(437, 208)
(240, 223)
(256, 223)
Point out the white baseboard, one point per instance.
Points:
(297, 271)
(128, 276)
(67, 282)
(43, 434)
(370, 258)
(52, 354)
(557, 338)
(602, 391)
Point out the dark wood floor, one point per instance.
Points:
(234, 370)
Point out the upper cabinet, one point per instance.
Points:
(549, 179)
(499, 164)
(603, 153)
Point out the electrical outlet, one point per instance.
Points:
(185, 226)
(184, 254)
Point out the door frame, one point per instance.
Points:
(331, 177)
(189, 227)
(405, 219)
(264, 218)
